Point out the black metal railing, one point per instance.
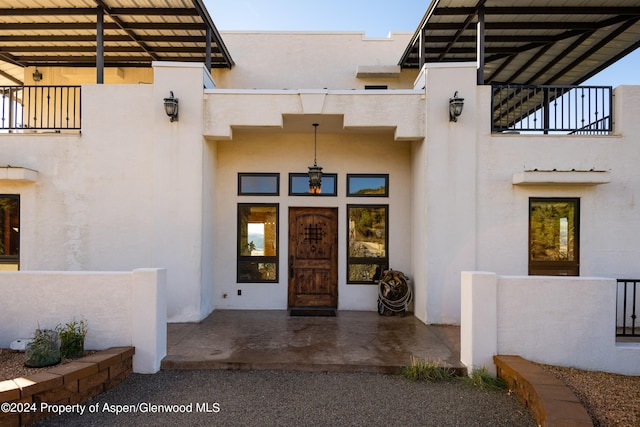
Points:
(33, 108)
(626, 308)
(583, 110)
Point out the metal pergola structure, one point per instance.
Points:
(106, 33)
(532, 42)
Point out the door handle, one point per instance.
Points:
(290, 266)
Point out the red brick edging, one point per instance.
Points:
(70, 383)
(549, 401)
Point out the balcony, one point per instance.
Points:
(574, 110)
(40, 108)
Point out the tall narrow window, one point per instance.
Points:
(257, 242)
(554, 238)
(368, 241)
(9, 232)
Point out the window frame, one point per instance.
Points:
(381, 262)
(275, 175)
(13, 259)
(244, 259)
(384, 176)
(555, 268)
(293, 175)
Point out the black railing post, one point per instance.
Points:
(625, 330)
(52, 108)
(545, 110)
(552, 109)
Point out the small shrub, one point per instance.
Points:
(484, 380)
(72, 338)
(426, 370)
(43, 350)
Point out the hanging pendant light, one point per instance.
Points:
(315, 171)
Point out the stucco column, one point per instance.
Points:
(479, 320)
(446, 164)
(178, 187)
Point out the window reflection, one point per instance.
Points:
(554, 236)
(257, 240)
(9, 232)
(258, 183)
(368, 239)
(299, 184)
(368, 185)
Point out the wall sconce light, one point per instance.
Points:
(37, 75)
(455, 107)
(315, 171)
(171, 107)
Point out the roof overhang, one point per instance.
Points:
(134, 33)
(531, 42)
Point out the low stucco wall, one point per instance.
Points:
(564, 321)
(121, 308)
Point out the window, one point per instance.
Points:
(554, 236)
(257, 242)
(258, 184)
(368, 240)
(362, 185)
(299, 184)
(9, 232)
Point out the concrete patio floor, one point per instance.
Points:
(353, 341)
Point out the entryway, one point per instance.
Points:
(313, 257)
(353, 341)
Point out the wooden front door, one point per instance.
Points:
(313, 257)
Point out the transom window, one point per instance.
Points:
(9, 232)
(299, 185)
(554, 236)
(257, 242)
(368, 241)
(258, 184)
(367, 185)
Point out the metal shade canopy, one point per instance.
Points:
(114, 33)
(534, 42)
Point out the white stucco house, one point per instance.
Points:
(535, 178)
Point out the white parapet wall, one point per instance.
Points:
(121, 309)
(563, 321)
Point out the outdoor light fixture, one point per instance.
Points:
(171, 107)
(315, 171)
(455, 107)
(37, 75)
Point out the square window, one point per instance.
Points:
(366, 185)
(554, 236)
(257, 243)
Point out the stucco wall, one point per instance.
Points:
(609, 213)
(291, 152)
(563, 321)
(88, 209)
(121, 309)
(291, 60)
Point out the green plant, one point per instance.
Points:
(484, 380)
(43, 350)
(72, 338)
(427, 371)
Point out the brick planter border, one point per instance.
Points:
(71, 383)
(550, 402)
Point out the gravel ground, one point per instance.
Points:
(288, 398)
(261, 398)
(610, 399)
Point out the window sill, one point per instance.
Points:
(556, 177)
(18, 174)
